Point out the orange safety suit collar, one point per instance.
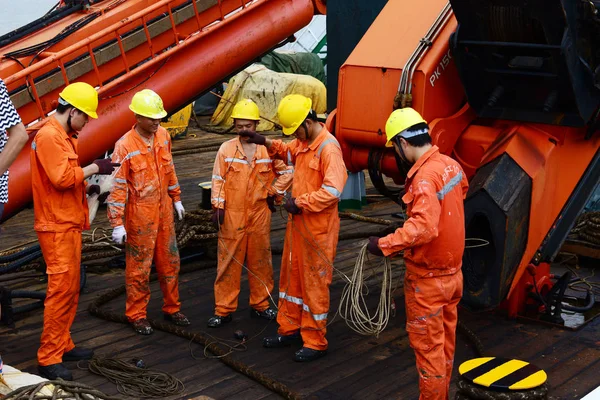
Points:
(416, 166)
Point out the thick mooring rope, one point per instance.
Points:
(95, 309)
(587, 228)
(62, 390)
(470, 391)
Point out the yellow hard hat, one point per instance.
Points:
(148, 103)
(293, 110)
(82, 96)
(246, 109)
(399, 121)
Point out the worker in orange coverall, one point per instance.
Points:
(246, 184)
(61, 213)
(312, 230)
(433, 241)
(146, 191)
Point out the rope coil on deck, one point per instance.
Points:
(137, 382)
(470, 391)
(95, 309)
(587, 228)
(61, 390)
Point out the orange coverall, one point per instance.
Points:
(61, 213)
(145, 188)
(433, 240)
(311, 237)
(241, 187)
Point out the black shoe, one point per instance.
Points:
(142, 327)
(276, 341)
(269, 314)
(216, 321)
(55, 371)
(177, 318)
(306, 354)
(78, 353)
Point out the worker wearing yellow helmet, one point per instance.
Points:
(246, 184)
(435, 235)
(141, 210)
(61, 214)
(312, 230)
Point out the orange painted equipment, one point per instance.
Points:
(434, 233)
(61, 213)
(145, 188)
(134, 45)
(431, 318)
(62, 254)
(240, 186)
(311, 237)
(422, 73)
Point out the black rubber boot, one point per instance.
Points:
(217, 321)
(177, 318)
(269, 314)
(305, 354)
(276, 341)
(142, 327)
(78, 353)
(55, 371)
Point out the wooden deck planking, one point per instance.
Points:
(356, 366)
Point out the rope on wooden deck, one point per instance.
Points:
(470, 391)
(95, 309)
(134, 381)
(587, 228)
(61, 390)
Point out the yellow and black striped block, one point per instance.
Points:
(502, 373)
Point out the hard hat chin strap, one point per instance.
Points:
(401, 161)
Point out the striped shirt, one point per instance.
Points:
(8, 118)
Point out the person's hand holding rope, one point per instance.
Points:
(373, 246)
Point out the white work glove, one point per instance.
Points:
(119, 235)
(180, 210)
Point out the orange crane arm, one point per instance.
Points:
(178, 48)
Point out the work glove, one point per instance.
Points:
(93, 189)
(105, 166)
(119, 235)
(271, 203)
(291, 207)
(373, 246)
(218, 217)
(180, 210)
(102, 198)
(254, 137)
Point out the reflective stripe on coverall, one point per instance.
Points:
(241, 187)
(61, 213)
(145, 188)
(433, 240)
(311, 237)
